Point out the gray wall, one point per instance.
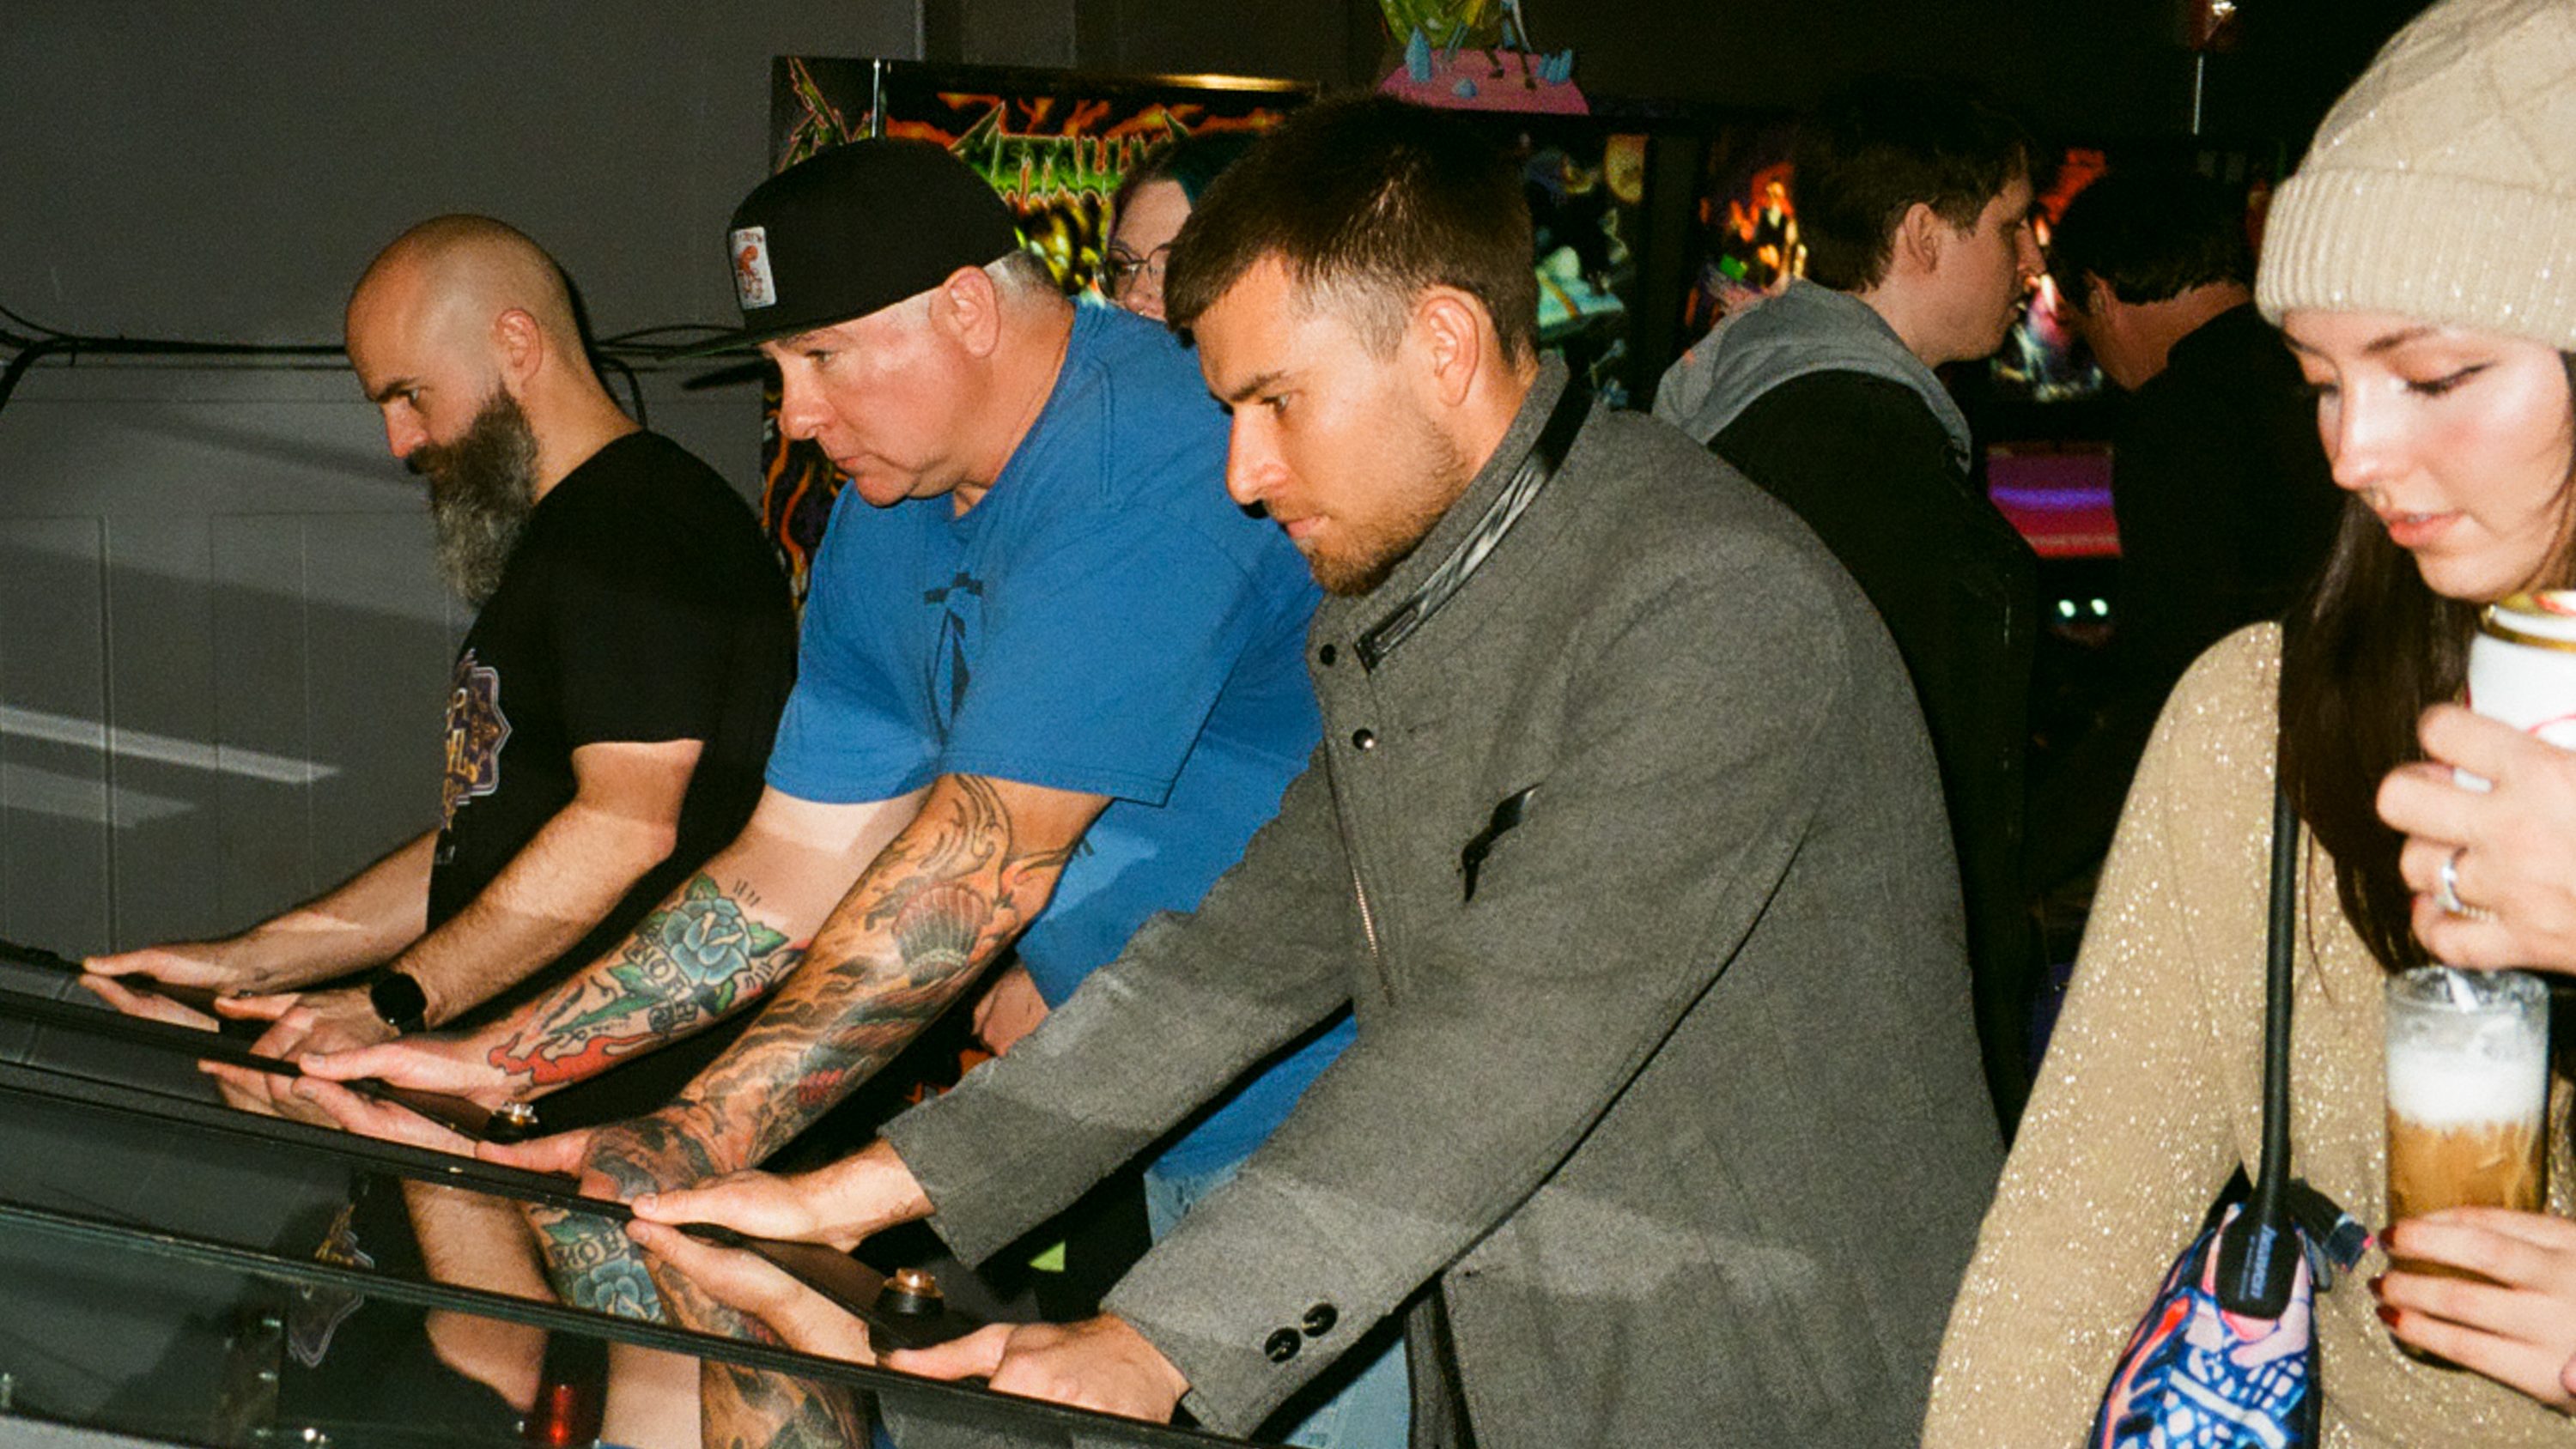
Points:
(222, 653)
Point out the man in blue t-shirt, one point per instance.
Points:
(1049, 685)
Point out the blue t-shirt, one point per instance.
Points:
(1104, 620)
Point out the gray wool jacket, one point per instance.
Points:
(1678, 1112)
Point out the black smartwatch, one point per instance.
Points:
(399, 1000)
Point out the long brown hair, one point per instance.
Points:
(2364, 653)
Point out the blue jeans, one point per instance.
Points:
(1372, 1397)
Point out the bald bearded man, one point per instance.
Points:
(610, 709)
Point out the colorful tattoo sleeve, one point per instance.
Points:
(940, 902)
(685, 965)
(740, 1408)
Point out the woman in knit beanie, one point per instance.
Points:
(2422, 268)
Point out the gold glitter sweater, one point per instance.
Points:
(2152, 1094)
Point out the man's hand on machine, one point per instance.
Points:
(749, 1284)
(300, 1022)
(381, 1120)
(197, 969)
(1100, 1363)
(150, 1005)
(424, 1062)
(179, 963)
(837, 1205)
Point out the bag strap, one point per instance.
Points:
(2258, 1253)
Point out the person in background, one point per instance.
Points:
(2222, 494)
(1624, 843)
(2441, 374)
(1913, 197)
(1146, 213)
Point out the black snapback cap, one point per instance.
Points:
(853, 229)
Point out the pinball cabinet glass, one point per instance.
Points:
(175, 1271)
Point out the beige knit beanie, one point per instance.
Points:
(2443, 185)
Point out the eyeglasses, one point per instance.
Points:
(1121, 270)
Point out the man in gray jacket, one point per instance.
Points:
(1625, 844)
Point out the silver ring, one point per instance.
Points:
(2446, 886)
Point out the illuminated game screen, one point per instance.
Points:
(1585, 182)
(2042, 360)
(1744, 223)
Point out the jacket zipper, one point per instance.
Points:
(1368, 919)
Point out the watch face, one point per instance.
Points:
(399, 1001)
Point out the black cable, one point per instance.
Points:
(611, 353)
(634, 386)
(27, 357)
(31, 323)
(638, 334)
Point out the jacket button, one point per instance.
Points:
(1326, 655)
(1363, 739)
(1320, 1320)
(1281, 1346)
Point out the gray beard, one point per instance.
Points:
(482, 487)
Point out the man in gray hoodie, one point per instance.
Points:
(1913, 199)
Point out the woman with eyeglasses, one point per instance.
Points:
(1147, 211)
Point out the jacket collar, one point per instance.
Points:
(1466, 535)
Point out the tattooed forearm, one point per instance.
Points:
(594, 1265)
(698, 957)
(940, 901)
(591, 1261)
(740, 1407)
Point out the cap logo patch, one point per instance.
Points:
(753, 286)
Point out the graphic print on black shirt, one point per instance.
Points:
(639, 606)
(476, 731)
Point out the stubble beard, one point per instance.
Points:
(1433, 474)
(482, 487)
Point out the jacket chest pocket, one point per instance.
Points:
(1508, 813)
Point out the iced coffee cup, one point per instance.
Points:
(2468, 1091)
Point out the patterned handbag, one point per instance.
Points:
(2226, 1355)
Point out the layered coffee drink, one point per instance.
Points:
(2468, 1091)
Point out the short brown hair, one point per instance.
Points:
(1367, 201)
(1875, 147)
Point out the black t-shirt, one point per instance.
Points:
(2225, 500)
(640, 604)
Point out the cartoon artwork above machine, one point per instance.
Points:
(1477, 54)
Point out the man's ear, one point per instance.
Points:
(1451, 330)
(968, 307)
(2098, 297)
(518, 347)
(1920, 236)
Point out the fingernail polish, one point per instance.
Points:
(2386, 1314)
(2375, 1290)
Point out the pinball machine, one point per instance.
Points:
(174, 1271)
